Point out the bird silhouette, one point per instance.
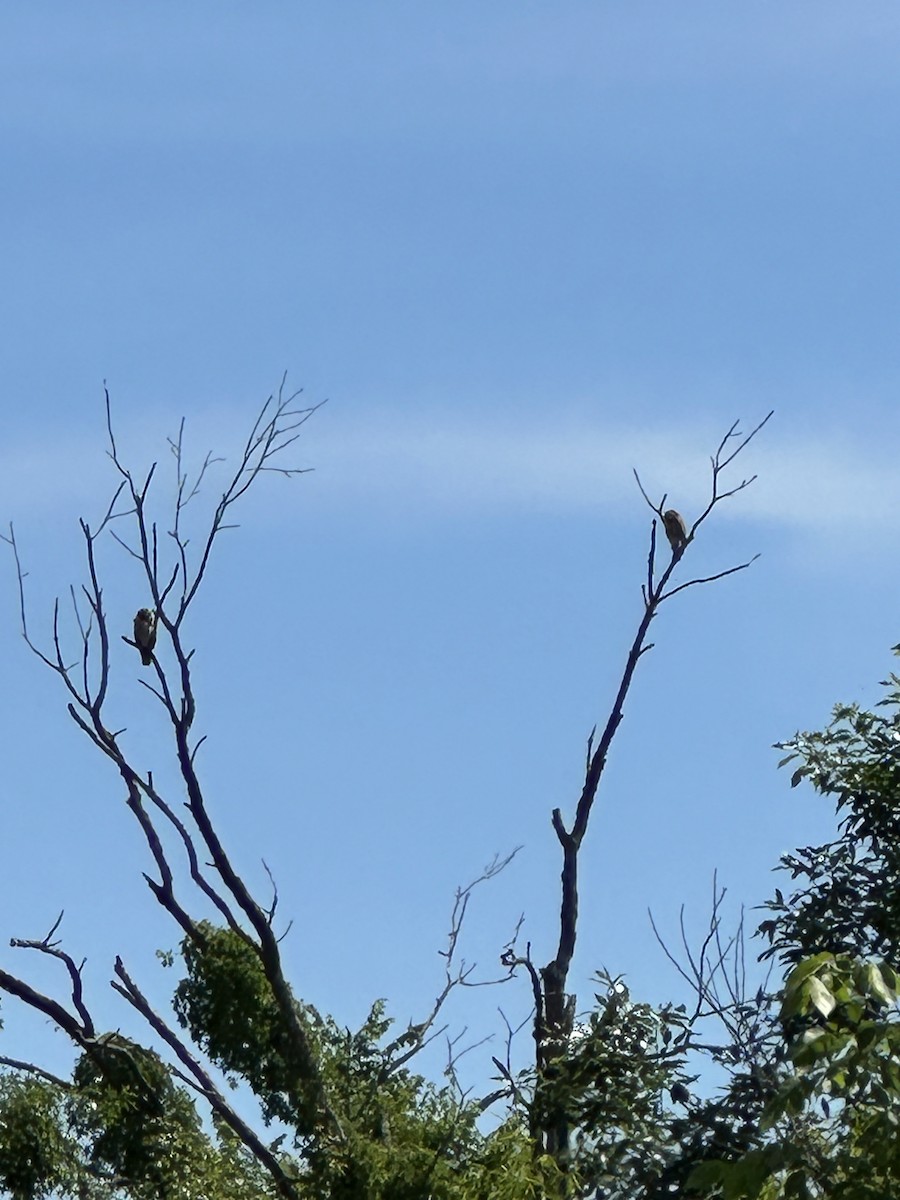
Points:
(145, 633)
(676, 530)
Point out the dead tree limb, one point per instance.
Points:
(554, 1007)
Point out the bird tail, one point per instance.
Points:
(147, 658)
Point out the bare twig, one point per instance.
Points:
(719, 983)
(417, 1036)
(46, 946)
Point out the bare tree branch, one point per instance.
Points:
(708, 578)
(172, 589)
(18, 1064)
(554, 1009)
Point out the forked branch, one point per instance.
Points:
(554, 1008)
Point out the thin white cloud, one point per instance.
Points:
(467, 465)
(464, 466)
(828, 486)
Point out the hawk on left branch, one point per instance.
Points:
(145, 633)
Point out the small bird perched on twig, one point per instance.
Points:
(676, 530)
(145, 633)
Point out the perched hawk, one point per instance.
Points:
(145, 634)
(676, 530)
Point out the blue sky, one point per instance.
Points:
(520, 249)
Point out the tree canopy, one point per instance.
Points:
(789, 1088)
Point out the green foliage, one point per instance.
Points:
(831, 1125)
(227, 1005)
(35, 1157)
(136, 1123)
(400, 1136)
(507, 1168)
(120, 1129)
(846, 1055)
(849, 901)
(619, 1066)
(403, 1137)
